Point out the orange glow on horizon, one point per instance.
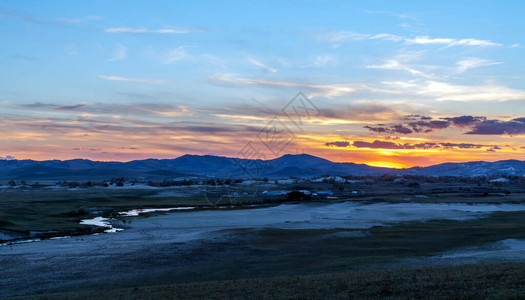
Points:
(162, 143)
(386, 164)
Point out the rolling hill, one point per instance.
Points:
(302, 165)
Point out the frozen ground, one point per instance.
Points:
(151, 245)
(184, 226)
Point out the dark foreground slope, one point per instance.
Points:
(496, 281)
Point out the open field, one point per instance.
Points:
(161, 250)
(46, 211)
(496, 281)
(324, 241)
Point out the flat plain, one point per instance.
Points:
(344, 242)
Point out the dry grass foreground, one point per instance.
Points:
(483, 281)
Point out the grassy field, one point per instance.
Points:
(61, 210)
(496, 281)
(39, 212)
(301, 263)
(273, 252)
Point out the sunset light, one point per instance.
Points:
(290, 149)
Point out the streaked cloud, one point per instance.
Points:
(261, 65)
(396, 65)
(143, 30)
(474, 62)
(341, 36)
(449, 42)
(127, 79)
(327, 90)
(444, 91)
(175, 55)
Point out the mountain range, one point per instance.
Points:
(302, 165)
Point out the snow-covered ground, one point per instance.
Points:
(186, 223)
(192, 224)
(136, 212)
(171, 237)
(101, 222)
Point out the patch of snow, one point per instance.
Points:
(136, 212)
(349, 215)
(131, 187)
(20, 242)
(60, 237)
(499, 180)
(101, 222)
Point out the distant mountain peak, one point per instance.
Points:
(297, 165)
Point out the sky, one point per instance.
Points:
(386, 83)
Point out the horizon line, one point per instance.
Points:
(232, 157)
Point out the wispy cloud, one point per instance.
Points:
(396, 65)
(449, 42)
(444, 91)
(142, 30)
(261, 65)
(175, 55)
(127, 79)
(341, 36)
(215, 60)
(120, 53)
(474, 62)
(327, 90)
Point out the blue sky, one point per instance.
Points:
(122, 80)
